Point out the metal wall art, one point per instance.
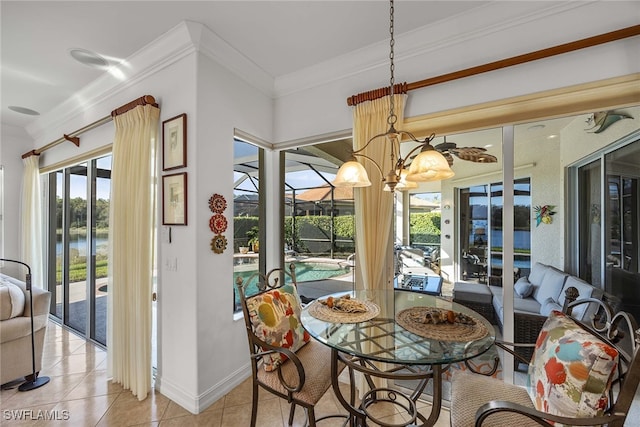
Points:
(544, 214)
(218, 223)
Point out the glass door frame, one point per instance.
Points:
(90, 246)
(572, 177)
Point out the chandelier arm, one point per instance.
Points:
(427, 141)
(390, 131)
(372, 161)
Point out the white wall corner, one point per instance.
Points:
(198, 403)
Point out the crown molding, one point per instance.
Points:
(223, 53)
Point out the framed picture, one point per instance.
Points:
(174, 199)
(174, 142)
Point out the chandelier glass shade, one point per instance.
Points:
(351, 174)
(429, 165)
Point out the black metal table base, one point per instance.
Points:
(360, 413)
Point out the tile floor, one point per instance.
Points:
(79, 394)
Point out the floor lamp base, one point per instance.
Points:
(31, 385)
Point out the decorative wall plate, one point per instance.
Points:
(218, 223)
(218, 244)
(217, 203)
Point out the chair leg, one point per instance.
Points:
(254, 404)
(292, 412)
(311, 417)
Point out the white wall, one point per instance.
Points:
(224, 103)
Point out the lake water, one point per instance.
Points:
(79, 242)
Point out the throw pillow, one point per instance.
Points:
(523, 288)
(571, 369)
(11, 300)
(548, 306)
(550, 286)
(275, 317)
(537, 273)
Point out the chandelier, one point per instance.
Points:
(428, 165)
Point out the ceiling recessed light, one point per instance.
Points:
(552, 136)
(88, 58)
(23, 110)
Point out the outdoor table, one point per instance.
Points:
(390, 341)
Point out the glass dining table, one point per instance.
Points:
(395, 335)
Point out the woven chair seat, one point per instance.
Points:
(471, 393)
(316, 359)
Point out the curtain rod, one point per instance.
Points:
(503, 63)
(73, 136)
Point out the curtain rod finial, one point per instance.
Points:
(30, 153)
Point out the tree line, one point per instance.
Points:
(78, 213)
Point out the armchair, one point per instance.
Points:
(15, 332)
(580, 374)
(284, 360)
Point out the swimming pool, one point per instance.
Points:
(305, 272)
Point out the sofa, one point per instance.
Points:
(15, 328)
(535, 296)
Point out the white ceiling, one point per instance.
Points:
(280, 37)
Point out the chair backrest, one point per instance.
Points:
(271, 308)
(589, 368)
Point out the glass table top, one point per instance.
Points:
(384, 339)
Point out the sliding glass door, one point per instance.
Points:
(606, 252)
(78, 246)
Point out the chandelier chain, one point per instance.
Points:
(391, 120)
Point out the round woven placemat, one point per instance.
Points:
(323, 312)
(411, 320)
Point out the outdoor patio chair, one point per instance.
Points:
(284, 359)
(580, 374)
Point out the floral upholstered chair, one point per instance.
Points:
(284, 359)
(579, 375)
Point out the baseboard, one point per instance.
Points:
(197, 404)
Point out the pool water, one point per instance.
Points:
(305, 272)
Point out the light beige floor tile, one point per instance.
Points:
(269, 415)
(127, 410)
(205, 419)
(242, 394)
(63, 347)
(83, 412)
(28, 416)
(48, 393)
(218, 404)
(96, 383)
(77, 363)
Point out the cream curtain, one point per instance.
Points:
(131, 245)
(31, 225)
(373, 206)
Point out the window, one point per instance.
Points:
(248, 213)
(481, 229)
